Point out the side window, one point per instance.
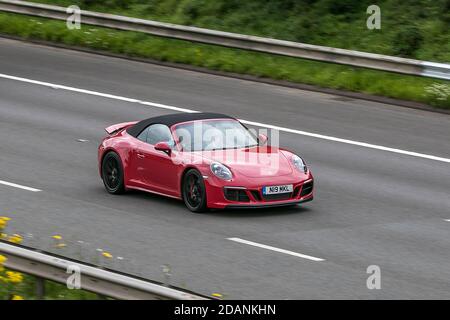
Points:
(158, 133)
(143, 135)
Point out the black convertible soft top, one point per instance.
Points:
(171, 119)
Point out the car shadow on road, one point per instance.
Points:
(154, 198)
(263, 212)
(174, 204)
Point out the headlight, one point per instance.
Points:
(299, 164)
(221, 171)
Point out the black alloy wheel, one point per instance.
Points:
(112, 173)
(194, 192)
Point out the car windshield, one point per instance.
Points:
(214, 134)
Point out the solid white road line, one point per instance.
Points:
(94, 93)
(15, 185)
(258, 124)
(259, 245)
(356, 143)
(448, 220)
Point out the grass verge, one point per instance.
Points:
(22, 286)
(412, 29)
(433, 92)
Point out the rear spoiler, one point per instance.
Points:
(118, 127)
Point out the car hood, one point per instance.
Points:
(255, 162)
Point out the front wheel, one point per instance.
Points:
(194, 191)
(112, 173)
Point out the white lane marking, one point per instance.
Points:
(258, 124)
(259, 245)
(356, 143)
(448, 220)
(15, 185)
(95, 93)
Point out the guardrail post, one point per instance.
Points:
(40, 288)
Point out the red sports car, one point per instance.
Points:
(207, 160)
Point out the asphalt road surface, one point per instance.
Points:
(372, 206)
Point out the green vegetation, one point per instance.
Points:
(275, 19)
(415, 29)
(18, 286)
(26, 289)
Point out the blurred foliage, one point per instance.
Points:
(230, 60)
(18, 286)
(26, 289)
(415, 29)
(407, 41)
(446, 12)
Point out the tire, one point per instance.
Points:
(112, 173)
(194, 191)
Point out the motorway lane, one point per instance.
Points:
(359, 120)
(371, 207)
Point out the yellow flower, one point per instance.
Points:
(15, 238)
(57, 237)
(217, 295)
(3, 235)
(14, 277)
(17, 297)
(3, 222)
(2, 261)
(107, 255)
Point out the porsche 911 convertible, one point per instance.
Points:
(207, 160)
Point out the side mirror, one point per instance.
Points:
(262, 139)
(164, 147)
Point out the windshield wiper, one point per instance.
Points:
(237, 147)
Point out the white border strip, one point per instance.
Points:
(15, 185)
(292, 253)
(258, 124)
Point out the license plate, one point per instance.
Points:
(277, 189)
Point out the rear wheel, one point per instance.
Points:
(112, 173)
(194, 191)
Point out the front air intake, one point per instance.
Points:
(307, 188)
(236, 195)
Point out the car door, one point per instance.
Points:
(155, 168)
(137, 163)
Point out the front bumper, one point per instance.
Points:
(269, 205)
(220, 196)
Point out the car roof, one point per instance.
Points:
(175, 118)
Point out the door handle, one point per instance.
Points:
(140, 156)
